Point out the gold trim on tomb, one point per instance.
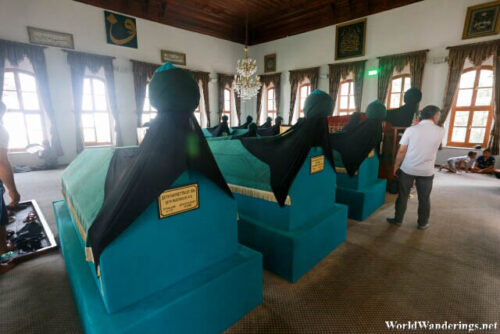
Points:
(75, 218)
(342, 170)
(257, 193)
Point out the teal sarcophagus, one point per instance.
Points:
(233, 132)
(364, 192)
(184, 273)
(292, 238)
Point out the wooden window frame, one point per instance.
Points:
(92, 144)
(273, 113)
(224, 111)
(472, 108)
(301, 111)
(402, 93)
(349, 110)
(16, 72)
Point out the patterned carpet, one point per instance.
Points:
(450, 272)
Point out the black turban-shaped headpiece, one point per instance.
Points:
(173, 144)
(404, 115)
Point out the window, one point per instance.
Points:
(397, 89)
(227, 105)
(304, 91)
(346, 98)
(472, 109)
(23, 119)
(148, 111)
(96, 123)
(197, 114)
(271, 103)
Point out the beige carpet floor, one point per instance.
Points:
(450, 272)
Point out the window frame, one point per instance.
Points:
(197, 111)
(402, 93)
(224, 111)
(472, 108)
(21, 109)
(95, 144)
(301, 111)
(348, 111)
(273, 113)
(151, 110)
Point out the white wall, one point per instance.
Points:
(430, 24)
(86, 23)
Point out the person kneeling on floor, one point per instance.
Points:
(416, 157)
(464, 162)
(485, 164)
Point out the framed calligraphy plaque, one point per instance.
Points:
(120, 30)
(350, 39)
(177, 58)
(482, 20)
(51, 38)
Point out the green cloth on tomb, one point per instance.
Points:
(83, 183)
(239, 166)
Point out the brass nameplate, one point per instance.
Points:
(317, 164)
(178, 200)
(284, 128)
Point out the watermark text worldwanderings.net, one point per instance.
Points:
(440, 326)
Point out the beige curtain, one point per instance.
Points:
(388, 64)
(203, 78)
(267, 81)
(143, 72)
(296, 77)
(341, 71)
(495, 131)
(477, 53)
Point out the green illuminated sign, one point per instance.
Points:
(372, 73)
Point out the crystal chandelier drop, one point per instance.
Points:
(246, 84)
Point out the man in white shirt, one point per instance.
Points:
(415, 163)
(7, 178)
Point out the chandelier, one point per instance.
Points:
(246, 84)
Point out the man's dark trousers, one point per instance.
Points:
(424, 187)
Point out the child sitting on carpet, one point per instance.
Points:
(485, 164)
(457, 163)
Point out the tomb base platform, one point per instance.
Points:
(291, 254)
(364, 201)
(207, 302)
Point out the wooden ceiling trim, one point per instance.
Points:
(268, 19)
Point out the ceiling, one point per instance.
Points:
(267, 19)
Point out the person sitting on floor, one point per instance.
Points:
(485, 164)
(457, 163)
(48, 155)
